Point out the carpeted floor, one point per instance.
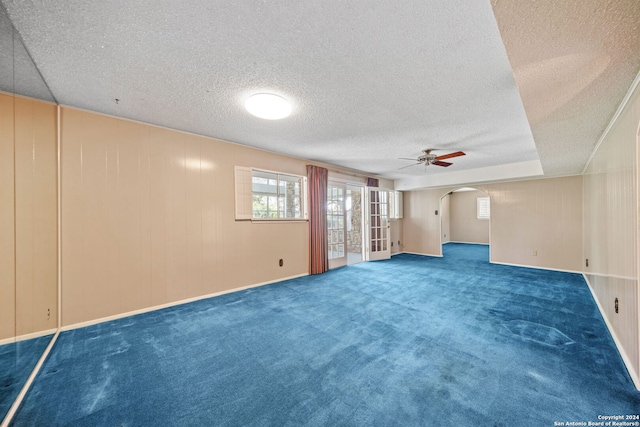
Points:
(414, 340)
(17, 360)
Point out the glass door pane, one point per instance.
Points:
(355, 210)
(336, 224)
(378, 236)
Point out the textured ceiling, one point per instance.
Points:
(369, 81)
(573, 61)
(18, 73)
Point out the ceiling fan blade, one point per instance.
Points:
(415, 164)
(439, 163)
(450, 155)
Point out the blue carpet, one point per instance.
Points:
(17, 360)
(411, 341)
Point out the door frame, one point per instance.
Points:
(378, 225)
(340, 216)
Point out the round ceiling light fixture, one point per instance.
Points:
(268, 106)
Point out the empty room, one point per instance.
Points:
(270, 213)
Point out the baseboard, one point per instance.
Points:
(468, 243)
(625, 357)
(28, 336)
(172, 304)
(420, 253)
(536, 267)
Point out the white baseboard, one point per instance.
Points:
(467, 243)
(419, 253)
(625, 357)
(536, 267)
(172, 304)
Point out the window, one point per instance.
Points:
(483, 208)
(277, 196)
(264, 195)
(395, 204)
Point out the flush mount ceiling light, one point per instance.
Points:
(268, 106)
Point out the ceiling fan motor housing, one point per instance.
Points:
(427, 158)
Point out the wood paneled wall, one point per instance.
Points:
(445, 219)
(611, 231)
(28, 216)
(543, 215)
(464, 223)
(148, 218)
(7, 220)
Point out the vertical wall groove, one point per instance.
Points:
(158, 226)
(28, 218)
(611, 229)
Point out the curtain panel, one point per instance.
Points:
(317, 179)
(372, 182)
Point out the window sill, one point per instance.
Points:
(278, 220)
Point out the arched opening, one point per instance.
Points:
(465, 219)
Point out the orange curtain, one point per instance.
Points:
(317, 179)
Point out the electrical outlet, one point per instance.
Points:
(281, 262)
(534, 253)
(616, 305)
(587, 262)
(48, 313)
(391, 244)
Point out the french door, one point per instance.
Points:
(344, 225)
(336, 224)
(378, 227)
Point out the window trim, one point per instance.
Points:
(244, 195)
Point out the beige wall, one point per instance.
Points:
(28, 216)
(445, 218)
(543, 215)
(148, 218)
(7, 224)
(611, 230)
(465, 226)
(421, 224)
(395, 235)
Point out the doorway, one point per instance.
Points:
(355, 224)
(378, 230)
(465, 217)
(345, 224)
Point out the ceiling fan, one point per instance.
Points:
(431, 159)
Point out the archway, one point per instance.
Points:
(465, 217)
